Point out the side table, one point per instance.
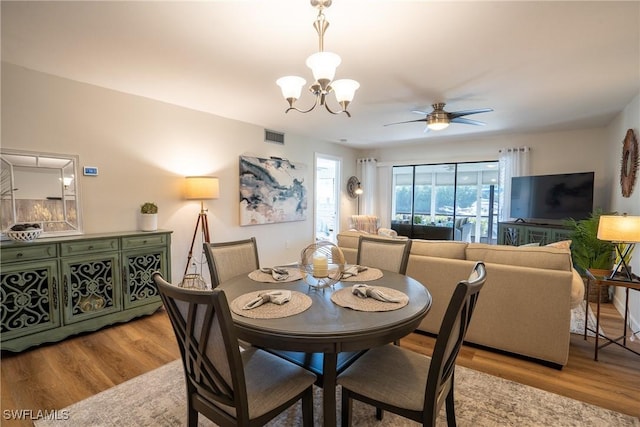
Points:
(606, 281)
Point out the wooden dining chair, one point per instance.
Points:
(230, 259)
(385, 254)
(226, 385)
(409, 384)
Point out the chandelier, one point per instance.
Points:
(323, 66)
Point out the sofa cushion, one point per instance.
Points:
(537, 257)
(439, 248)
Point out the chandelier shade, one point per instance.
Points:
(323, 66)
(291, 86)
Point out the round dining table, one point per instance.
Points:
(328, 328)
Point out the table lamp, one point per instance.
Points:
(624, 231)
(200, 188)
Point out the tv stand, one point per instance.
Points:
(517, 233)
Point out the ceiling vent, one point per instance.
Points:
(273, 137)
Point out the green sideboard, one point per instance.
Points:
(52, 288)
(522, 233)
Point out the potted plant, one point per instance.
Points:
(587, 251)
(148, 216)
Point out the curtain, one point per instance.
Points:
(514, 161)
(368, 180)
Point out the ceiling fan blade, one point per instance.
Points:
(424, 113)
(455, 114)
(409, 121)
(467, 121)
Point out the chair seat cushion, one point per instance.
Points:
(271, 380)
(389, 374)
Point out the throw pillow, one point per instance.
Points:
(529, 245)
(563, 244)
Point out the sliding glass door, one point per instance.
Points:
(452, 201)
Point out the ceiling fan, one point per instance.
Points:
(440, 119)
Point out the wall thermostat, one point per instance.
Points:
(90, 171)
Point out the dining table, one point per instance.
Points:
(323, 323)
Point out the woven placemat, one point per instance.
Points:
(364, 276)
(259, 276)
(345, 298)
(298, 303)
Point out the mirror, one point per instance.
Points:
(39, 188)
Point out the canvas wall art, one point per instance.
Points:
(272, 190)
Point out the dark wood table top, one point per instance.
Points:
(327, 327)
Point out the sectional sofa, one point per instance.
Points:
(525, 305)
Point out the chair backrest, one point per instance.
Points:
(451, 335)
(208, 345)
(386, 254)
(230, 259)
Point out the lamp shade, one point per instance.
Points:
(345, 89)
(201, 188)
(323, 65)
(291, 86)
(619, 228)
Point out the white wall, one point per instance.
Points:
(144, 148)
(628, 119)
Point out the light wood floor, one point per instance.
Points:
(54, 376)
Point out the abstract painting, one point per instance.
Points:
(271, 190)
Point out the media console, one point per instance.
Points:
(521, 233)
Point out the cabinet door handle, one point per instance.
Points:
(19, 255)
(54, 297)
(66, 292)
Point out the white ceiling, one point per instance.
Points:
(542, 66)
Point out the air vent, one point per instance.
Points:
(273, 137)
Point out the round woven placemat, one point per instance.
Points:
(345, 298)
(365, 276)
(259, 276)
(298, 303)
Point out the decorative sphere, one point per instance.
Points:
(322, 264)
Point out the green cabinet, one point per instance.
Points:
(53, 288)
(522, 233)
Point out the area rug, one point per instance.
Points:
(577, 320)
(157, 398)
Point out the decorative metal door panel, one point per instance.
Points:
(91, 286)
(137, 270)
(538, 235)
(28, 298)
(511, 236)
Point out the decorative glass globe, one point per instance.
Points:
(321, 264)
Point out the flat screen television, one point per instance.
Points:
(552, 197)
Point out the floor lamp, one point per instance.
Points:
(200, 188)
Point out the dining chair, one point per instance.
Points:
(226, 385)
(230, 259)
(409, 384)
(385, 254)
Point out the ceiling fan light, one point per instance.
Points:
(345, 89)
(291, 86)
(323, 65)
(438, 125)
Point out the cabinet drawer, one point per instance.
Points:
(142, 241)
(88, 246)
(26, 253)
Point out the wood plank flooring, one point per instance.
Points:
(54, 376)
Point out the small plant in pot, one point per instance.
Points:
(587, 251)
(148, 216)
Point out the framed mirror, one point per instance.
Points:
(39, 188)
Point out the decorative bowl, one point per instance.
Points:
(24, 236)
(321, 264)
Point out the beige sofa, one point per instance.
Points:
(525, 305)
